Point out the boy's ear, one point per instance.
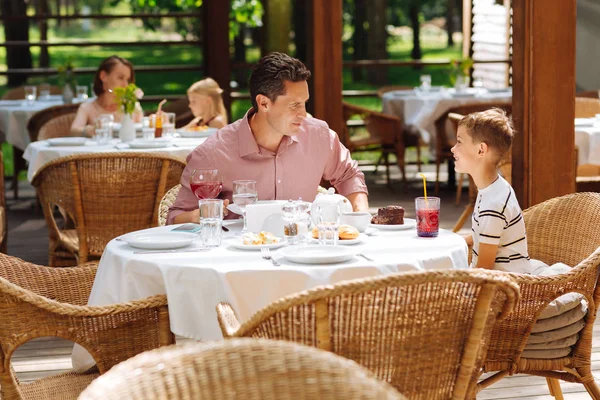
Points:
(483, 149)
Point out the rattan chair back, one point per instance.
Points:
(106, 195)
(563, 229)
(166, 202)
(39, 126)
(240, 369)
(383, 90)
(3, 210)
(424, 333)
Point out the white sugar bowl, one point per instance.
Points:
(330, 197)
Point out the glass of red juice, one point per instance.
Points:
(206, 183)
(428, 216)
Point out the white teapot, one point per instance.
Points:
(330, 197)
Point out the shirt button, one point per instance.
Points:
(278, 180)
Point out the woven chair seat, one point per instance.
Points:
(62, 386)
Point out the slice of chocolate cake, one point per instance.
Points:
(390, 215)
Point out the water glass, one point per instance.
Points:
(244, 193)
(168, 125)
(44, 91)
(82, 93)
(211, 221)
(328, 221)
(425, 82)
(30, 94)
(428, 216)
(104, 127)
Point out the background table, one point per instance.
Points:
(587, 140)
(41, 152)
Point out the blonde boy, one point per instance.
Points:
(498, 237)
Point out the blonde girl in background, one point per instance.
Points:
(206, 104)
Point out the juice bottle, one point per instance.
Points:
(158, 126)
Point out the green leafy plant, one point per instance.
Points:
(66, 76)
(127, 97)
(460, 68)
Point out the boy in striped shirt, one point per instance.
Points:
(498, 238)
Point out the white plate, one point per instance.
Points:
(159, 240)
(67, 141)
(584, 121)
(317, 254)
(235, 209)
(361, 238)
(238, 244)
(196, 134)
(409, 223)
(149, 143)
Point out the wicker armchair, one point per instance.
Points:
(43, 124)
(38, 301)
(239, 369)
(106, 195)
(383, 90)
(3, 210)
(593, 94)
(409, 329)
(442, 142)
(586, 107)
(386, 133)
(563, 229)
(166, 202)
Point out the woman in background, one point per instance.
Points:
(113, 72)
(206, 104)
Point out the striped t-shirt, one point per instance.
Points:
(497, 220)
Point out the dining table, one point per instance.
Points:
(195, 280)
(587, 140)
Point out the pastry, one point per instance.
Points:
(390, 215)
(257, 239)
(315, 232)
(347, 232)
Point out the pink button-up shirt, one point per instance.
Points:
(294, 171)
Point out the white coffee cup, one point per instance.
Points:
(358, 219)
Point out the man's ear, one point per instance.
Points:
(263, 102)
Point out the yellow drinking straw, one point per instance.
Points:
(424, 185)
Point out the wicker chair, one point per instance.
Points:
(409, 329)
(588, 178)
(563, 229)
(443, 145)
(43, 124)
(106, 195)
(592, 94)
(383, 90)
(586, 107)
(386, 133)
(38, 301)
(166, 202)
(239, 369)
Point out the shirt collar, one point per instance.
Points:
(247, 142)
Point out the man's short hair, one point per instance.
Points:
(492, 126)
(270, 73)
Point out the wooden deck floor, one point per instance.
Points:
(27, 239)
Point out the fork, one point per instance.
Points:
(365, 257)
(266, 254)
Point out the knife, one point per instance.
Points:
(170, 251)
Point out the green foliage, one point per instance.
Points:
(460, 68)
(128, 96)
(66, 76)
(244, 13)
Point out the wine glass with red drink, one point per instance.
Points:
(206, 183)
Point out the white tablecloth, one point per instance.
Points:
(423, 109)
(587, 139)
(196, 282)
(41, 152)
(14, 116)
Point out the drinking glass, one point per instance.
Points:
(44, 91)
(168, 125)
(244, 193)
(428, 216)
(30, 94)
(104, 127)
(82, 93)
(425, 82)
(328, 221)
(206, 183)
(211, 220)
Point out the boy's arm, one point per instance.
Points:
(487, 256)
(469, 239)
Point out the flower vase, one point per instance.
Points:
(127, 131)
(67, 94)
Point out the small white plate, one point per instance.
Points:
(197, 134)
(67, 141)
(238, 244)
(584, 121)
(159, 241)
(235, 209)
(361, 238)
(317, 254)
(149, 143)
(409, 223)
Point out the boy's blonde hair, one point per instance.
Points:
(493, 127)
(209, 87)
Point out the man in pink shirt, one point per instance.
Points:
(276, 145)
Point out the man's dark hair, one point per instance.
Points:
(270, 73)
